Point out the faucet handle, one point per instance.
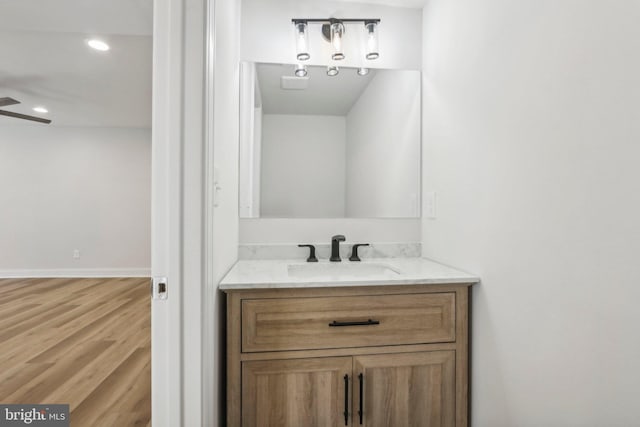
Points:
(338, 237)
(312, 252)
(354, 252)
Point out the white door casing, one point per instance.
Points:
(180, 150)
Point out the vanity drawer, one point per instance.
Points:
(351, 321)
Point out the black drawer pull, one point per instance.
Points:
(365, 323)
(346, 400)
(360, 405)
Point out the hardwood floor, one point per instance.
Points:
(83, 342)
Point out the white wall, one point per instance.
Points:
(303, 166)
(65, 188)
(268, 34)
(531, 129)
(250, 141)
(226, 138)
(314, 230)
(225, 156)
(383, 128)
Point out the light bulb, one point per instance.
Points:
(332, 71)
(337, 31)
(302, 42)
(372, 40)
(363, 71)
(98, 45)
(301, 70)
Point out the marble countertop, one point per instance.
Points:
(265, 274)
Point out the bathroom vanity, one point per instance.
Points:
(378, 343)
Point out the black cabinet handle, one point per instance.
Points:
(312, 252)
(346, 399)
(365, 323)
(360, 408)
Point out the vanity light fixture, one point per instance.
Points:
(98, 45)
(333, 31)
(332, 71)
(41, 110)
(301, 70)
(363, 71)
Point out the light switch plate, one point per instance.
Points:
(430, 204)
(216, 187)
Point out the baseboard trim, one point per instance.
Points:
(77, 272)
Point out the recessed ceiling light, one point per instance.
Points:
(98, 45)
(40, 110)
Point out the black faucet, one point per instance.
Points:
(335, 247)
(312, 252)
(354, 253)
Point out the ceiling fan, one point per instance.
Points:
(10, 101)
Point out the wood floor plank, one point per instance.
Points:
(48, 312)
(38, 388)
(16, 376)
(9, 311)
(84, 342)
(33, 290)
(82, 384)
(84, 328)
(129, 419)
(59, 340)
(105, 396)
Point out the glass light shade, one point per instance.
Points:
(372, 40)
(337, 31)
(301, 70)
(363, 71)
(302, 41)
(332, 71)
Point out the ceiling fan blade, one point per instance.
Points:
(24, 116)
(8, 101)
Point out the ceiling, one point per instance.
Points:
(416, 4)
(125, 17)
(332, 96)
(46, 62)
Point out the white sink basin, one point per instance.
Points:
(339, 270)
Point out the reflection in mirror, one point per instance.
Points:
(317, 146)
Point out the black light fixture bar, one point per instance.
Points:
(332, 20)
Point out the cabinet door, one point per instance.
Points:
(409, 390)
(298, 392)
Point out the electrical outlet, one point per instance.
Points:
(76, 254)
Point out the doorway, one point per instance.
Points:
(75, 251)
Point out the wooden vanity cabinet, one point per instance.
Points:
(406, 389)
(378, 356)
(313, 391)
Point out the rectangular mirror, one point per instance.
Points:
(320, 146)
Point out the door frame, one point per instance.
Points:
(182, 162)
